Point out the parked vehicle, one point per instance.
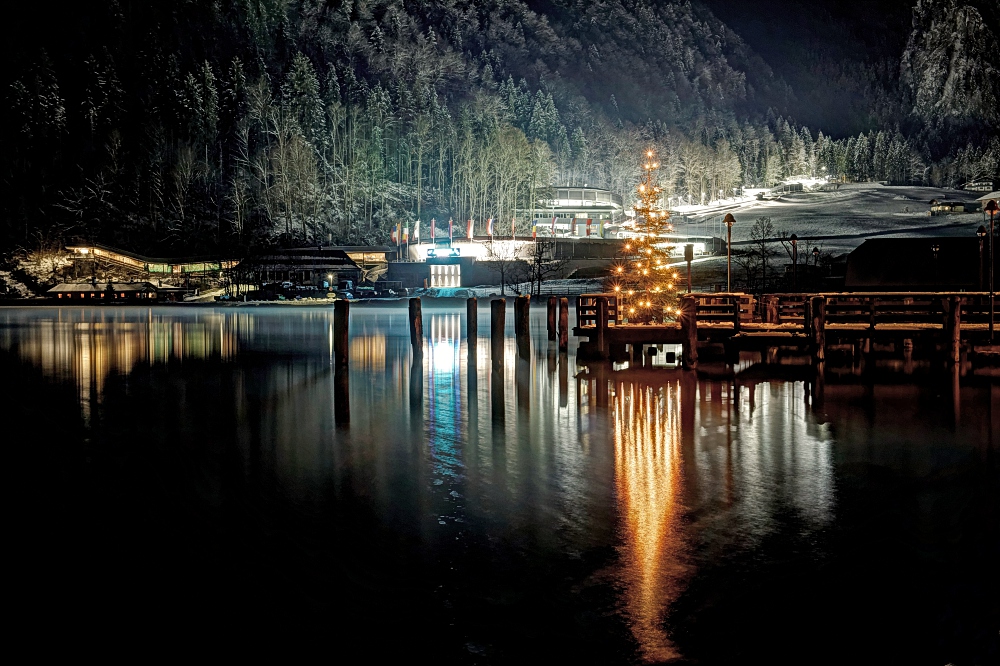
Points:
(345, 289)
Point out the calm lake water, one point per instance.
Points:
(192, 471)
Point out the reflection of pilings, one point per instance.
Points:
(416, 328)
(341, 321)
(564, 324)
(472, 389)
(818, 385)
(550, 318)
(416, 384)
(956, 394)
(472, 328)
(563, 380)
(688, 397)
(498, 317)
(496, 396)
(522, 327)
(522, 377)
(600, 385)
(341, 397)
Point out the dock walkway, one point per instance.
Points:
(950, 322)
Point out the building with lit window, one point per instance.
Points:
(580, 212)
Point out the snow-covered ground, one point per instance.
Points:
(839, 221)
(11, 287)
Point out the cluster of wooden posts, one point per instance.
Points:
(557, 325)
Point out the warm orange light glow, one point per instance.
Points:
(649, 485)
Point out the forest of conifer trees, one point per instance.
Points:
(216, 127)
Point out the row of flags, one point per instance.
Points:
(401, 233)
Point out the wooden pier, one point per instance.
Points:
(949, 323)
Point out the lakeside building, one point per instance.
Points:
(93, 292)
(948, 207)
(308, 266)
(102, 256)
(579, 212)
(982, 185)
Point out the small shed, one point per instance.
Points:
(994, 196)
(946, 207)
(94, 292)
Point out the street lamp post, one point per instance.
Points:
(981, 234)
(991, 208)
(729, 220)
(795, 261)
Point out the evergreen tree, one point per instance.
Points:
(642, 279)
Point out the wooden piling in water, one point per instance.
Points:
(807, 319)
(341, 397)
(550, 318)
(564, 324)
(771, 309)
(522, 326)
(472, 326)
(416, 327)
(735, 302)
(602, 328)
(498, 317)
(689, 329)
(954, 330)
(818, 329)
(341, 322)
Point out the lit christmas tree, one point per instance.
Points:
(643, 281)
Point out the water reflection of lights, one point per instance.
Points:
(444, 353)
(444, 407)
(89, 344)
(648, 481)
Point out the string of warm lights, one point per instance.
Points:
(641, 278)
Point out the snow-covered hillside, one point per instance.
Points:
(839, 221)
(951, 65)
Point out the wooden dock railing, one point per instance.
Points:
(951, 320)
